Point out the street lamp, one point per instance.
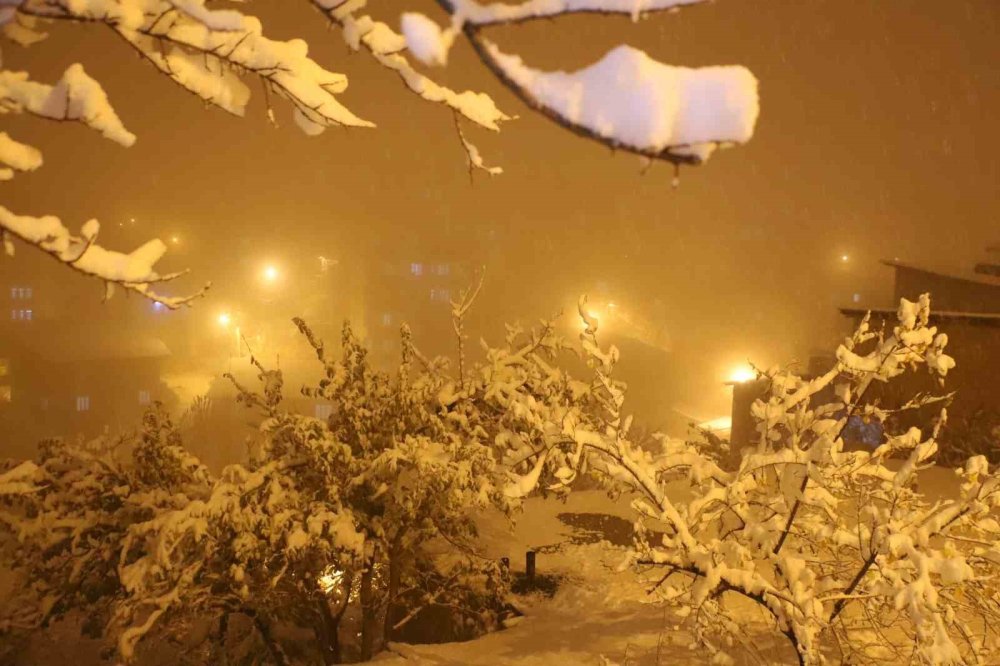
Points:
(270, 274)
(224, 319)
(742, 374)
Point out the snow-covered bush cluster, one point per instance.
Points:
(837, 548)
(373, 509)
(627, 100)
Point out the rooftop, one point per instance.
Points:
(976, 278)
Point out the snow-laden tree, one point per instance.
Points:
(626, 100)
(372, 508)
(837, 549)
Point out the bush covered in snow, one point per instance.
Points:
(838, 549)
(372, 508)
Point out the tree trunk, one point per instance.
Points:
(369, 613)
(395, 575)
(273, 648)
(327, 633)
(220, 639)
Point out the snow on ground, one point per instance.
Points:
(598, 613)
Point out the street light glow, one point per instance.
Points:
(224, 319)
(270, 273)
(741, 374)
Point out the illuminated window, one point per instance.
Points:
(323, 411)
(143, 397)
(417, 269)
(4, 367)
(387, 319)
(441, 295)
(21, 315)
(443, 269)
(5, 393)
(20, 293)
(83, 403)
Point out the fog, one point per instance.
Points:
(877, 140)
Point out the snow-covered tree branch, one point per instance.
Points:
(838, 548)
(626, 101)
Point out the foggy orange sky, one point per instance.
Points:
(877, 139)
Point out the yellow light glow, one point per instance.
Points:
(743, 373)
(714, 425)
(270, 273)
(224, 319)
(844, 258)
(330, 580)
(175, 240)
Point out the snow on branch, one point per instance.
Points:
(635, 103)
(474, 13)
(386, 45)
(627, 100)
(134, 271)
(76, 97)
(17, 156)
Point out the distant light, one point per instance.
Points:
(591, 315)
(131, 220)
(270, 273)
(224, 319)
(612, 305)
(844, 258)
(715, 425)
(857, 298)
(742, 374)
(157, 306)
(175, 240)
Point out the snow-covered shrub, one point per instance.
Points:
(424, 450)
(837, 549)
(65, 519)
(372, 508)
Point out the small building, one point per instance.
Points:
(60, 382)
(964, 306)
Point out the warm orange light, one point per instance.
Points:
(224, 319)
(743, 373)
(270, 273)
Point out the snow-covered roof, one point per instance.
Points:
(977, 278)
(939, 314)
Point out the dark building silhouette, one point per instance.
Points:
(964, 306)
